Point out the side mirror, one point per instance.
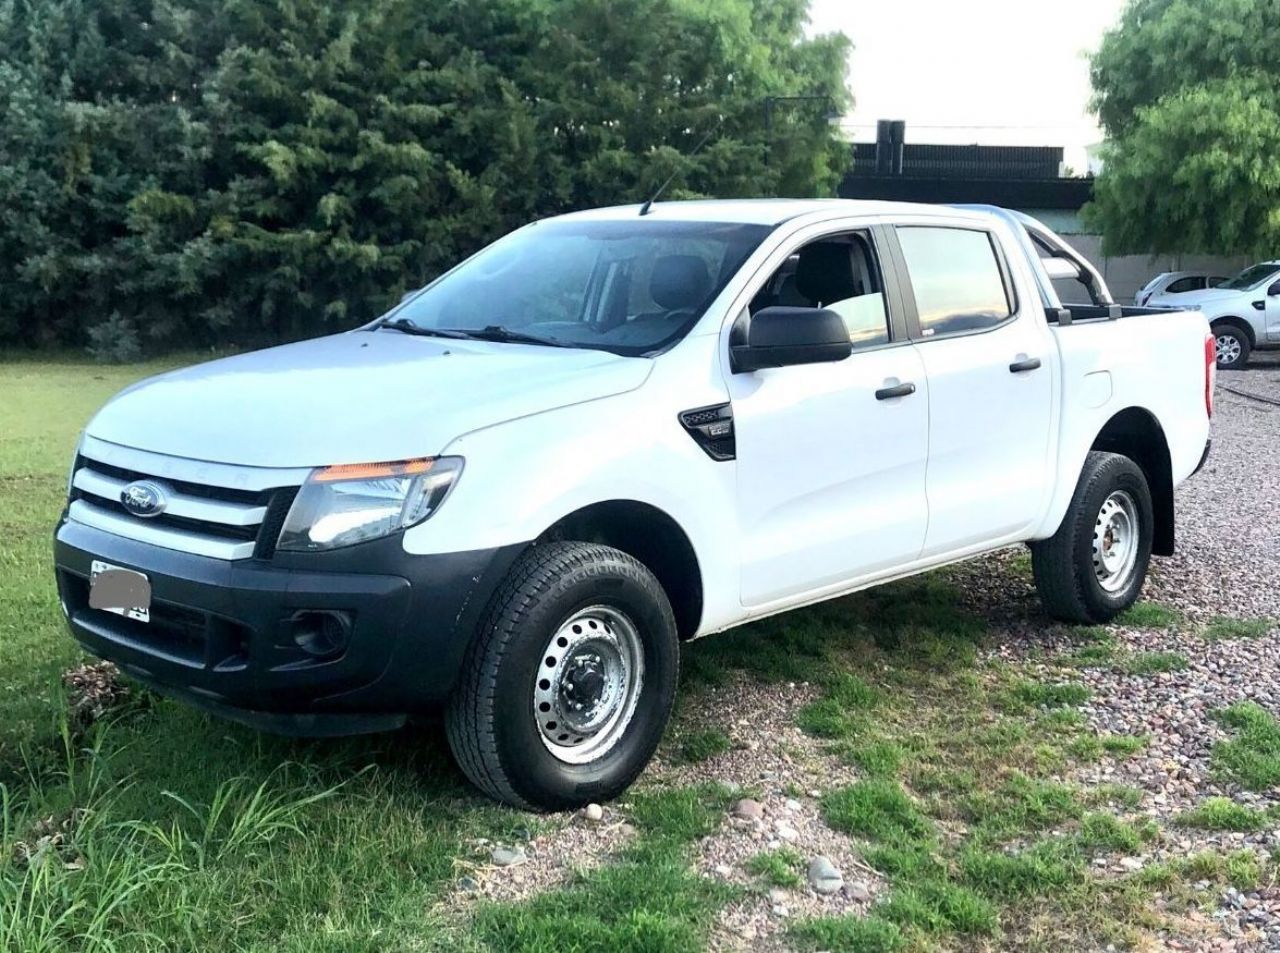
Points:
(781, 337)
(1060, 269)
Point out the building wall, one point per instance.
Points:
(1125, 275)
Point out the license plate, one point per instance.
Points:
(122, 591)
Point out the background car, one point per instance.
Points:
(1165, 288)
(1244, 312)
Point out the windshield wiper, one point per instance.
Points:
(496, 332)
(408, 327)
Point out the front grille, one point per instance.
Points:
(206, 519)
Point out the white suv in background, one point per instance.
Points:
(1244, 312)
(1167, 288)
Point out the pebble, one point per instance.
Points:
(791, 804)
(824, 876)
(508, 856)
(787, 833)
(593, 813)
(858, 890)
(748, 810)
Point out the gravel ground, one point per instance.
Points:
(1228, 564)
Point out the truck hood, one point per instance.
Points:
(360, 397)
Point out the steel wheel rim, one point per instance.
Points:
(1116, 533)
(1227, 347)
(588, 684)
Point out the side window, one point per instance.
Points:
(1274, 289)
(1185, 284)
(956, 277)
(1214, 281)
(839, 273)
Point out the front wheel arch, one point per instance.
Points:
(1240, 324)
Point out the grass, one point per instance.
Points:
(778, 868)
(1252, 757)
(1223, 628)
(1224, 814)
(1149, 615)
(1028, 694)
(647, 899)
(701, 744)
(163, 829)
(1153, 663)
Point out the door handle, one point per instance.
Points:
(1027, 364)
(899, 390)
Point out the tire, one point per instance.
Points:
(1232, 346)
(501, 720)
(1075, 583)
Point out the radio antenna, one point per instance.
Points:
(644, 209)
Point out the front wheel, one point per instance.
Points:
(1231, 346)
(1093, 567)
(568, 686)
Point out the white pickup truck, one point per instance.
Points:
(516, 494)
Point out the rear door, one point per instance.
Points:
(988, 359)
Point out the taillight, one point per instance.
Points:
(1210, 371)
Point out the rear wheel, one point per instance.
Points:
(569, 683)
(1231, 345)
(1094, 566)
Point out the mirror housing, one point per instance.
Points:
(1060, 269)
(782, 337)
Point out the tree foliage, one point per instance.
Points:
(183, 172)
(1188, 93)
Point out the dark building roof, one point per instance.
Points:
(1012, 176)
(967, 162)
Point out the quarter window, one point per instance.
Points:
(956, 278)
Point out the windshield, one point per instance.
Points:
(631, 287)
(1253, 275)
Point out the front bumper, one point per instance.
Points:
(221, 634)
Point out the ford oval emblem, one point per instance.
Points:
(144, 498)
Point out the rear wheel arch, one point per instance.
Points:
(1136, 433)
(652, 537)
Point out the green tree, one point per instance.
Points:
(201, 172)
(1188, 93)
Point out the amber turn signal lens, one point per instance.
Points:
(373, 471)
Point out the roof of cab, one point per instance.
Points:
(758, 211)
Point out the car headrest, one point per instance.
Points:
(679, 282)
(824, 272)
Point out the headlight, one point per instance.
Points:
(343, 505)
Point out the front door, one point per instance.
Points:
(831, 464)
(1272, 305)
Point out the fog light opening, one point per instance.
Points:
(321, 634)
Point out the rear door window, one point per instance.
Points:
(957, 279)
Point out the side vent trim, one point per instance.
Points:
(712, 430)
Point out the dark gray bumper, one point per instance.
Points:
(221, 634)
